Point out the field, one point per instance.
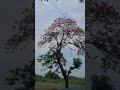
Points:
(43, 83)
(72, 81)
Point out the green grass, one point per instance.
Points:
(72, 81)
(80, 82)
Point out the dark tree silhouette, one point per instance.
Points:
(24, 34)
(61, 34)
(25, 76)
(24, 30)
(102, 26)
(101, 83)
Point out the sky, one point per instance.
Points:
(45, 14)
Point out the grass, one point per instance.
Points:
(56, 84)
(39, 86)
(80, 82)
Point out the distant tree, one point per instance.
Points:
(38, 77)
(63, 33)
(52, 75)
(73, 77)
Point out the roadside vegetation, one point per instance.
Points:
(73, 81)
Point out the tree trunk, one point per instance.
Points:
(66, 82)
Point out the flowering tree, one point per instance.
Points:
(63, 33)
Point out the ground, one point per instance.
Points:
(44, 86)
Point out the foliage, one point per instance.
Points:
(101, 83)
(52, 75)
(103, 20)
(38, 77)
(23, 76)
(24, 30)
(76, 62)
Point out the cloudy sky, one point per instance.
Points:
(45, 14)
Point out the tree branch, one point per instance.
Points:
(69, 71)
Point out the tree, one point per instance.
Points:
(24, 30)
(63, 33)
(24, 34)
(101, 27)
(23, 75)
(52, 75)
(101, 83)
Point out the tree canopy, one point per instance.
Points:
(24, 30)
